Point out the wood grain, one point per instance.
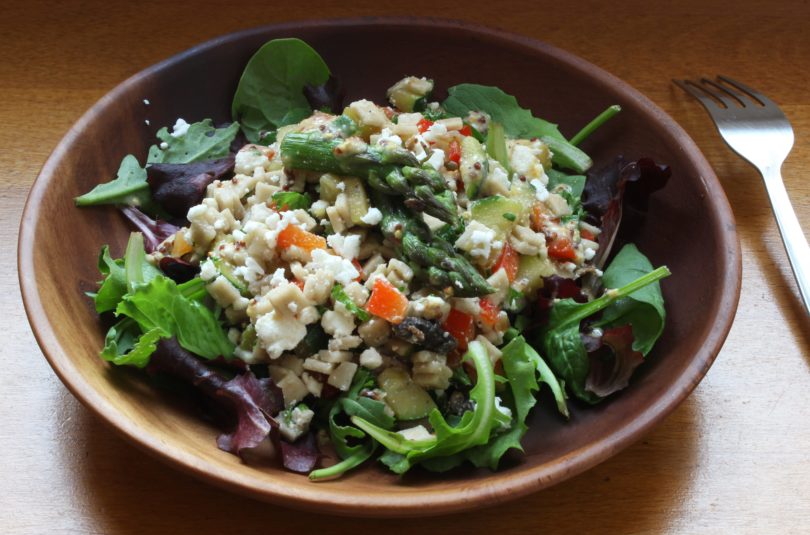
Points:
(732, 458)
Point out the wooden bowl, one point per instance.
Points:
(690, 228)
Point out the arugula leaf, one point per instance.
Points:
(129, 187)
(159, 304)
(518, 122)
(644, 309)
(202, 141)
(474, 428)
(270, 93)
(490, 454)
(562, 343)
(352, 404)
(125, 345)
(292, 200)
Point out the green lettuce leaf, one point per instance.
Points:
(159, 304)
(202, 141)
(115, 283)
(270, 93)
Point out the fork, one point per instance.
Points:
(756, 129)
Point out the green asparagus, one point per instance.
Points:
(389, 170)
(433, 259)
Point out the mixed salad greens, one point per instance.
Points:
(366, 281)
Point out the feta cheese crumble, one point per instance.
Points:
(180, 128)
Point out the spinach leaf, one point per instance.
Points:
(562, 342)
(518, 122)
(129, 187)
(644, 309)
(202, 141)
(573, 184)
(501, 107)
(270, 93)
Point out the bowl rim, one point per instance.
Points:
(326, 497)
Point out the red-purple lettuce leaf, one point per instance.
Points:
(178, 270)
(612, 364)
(300, 456)
(179, 186)
(325, 97)
(154, 230)
(620, 192)
(251, 401)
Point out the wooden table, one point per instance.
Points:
(734, 458)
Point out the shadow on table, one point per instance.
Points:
(124, 491)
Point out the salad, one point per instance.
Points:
(363, 281)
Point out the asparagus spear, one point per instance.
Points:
(432, 258)
(390, 170)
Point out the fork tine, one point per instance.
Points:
(753, 93)
(720, 94)
(696, 91)
(739, 99)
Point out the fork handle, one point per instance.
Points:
(792, 235)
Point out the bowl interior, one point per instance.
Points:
(689, 222)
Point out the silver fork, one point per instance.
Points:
(756, 129)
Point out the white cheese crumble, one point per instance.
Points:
(180, 128)
(372, 217)
(371, 359)
(436, 160)
(279, 332)
(293, 423)
(208, 271)
(540, 190)
(343, 270)
(506, 411)
(588, 253)
(435, 131)
(387, 138)
(346, 246)
(278, 278)
(416, 433)
(476, 240)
